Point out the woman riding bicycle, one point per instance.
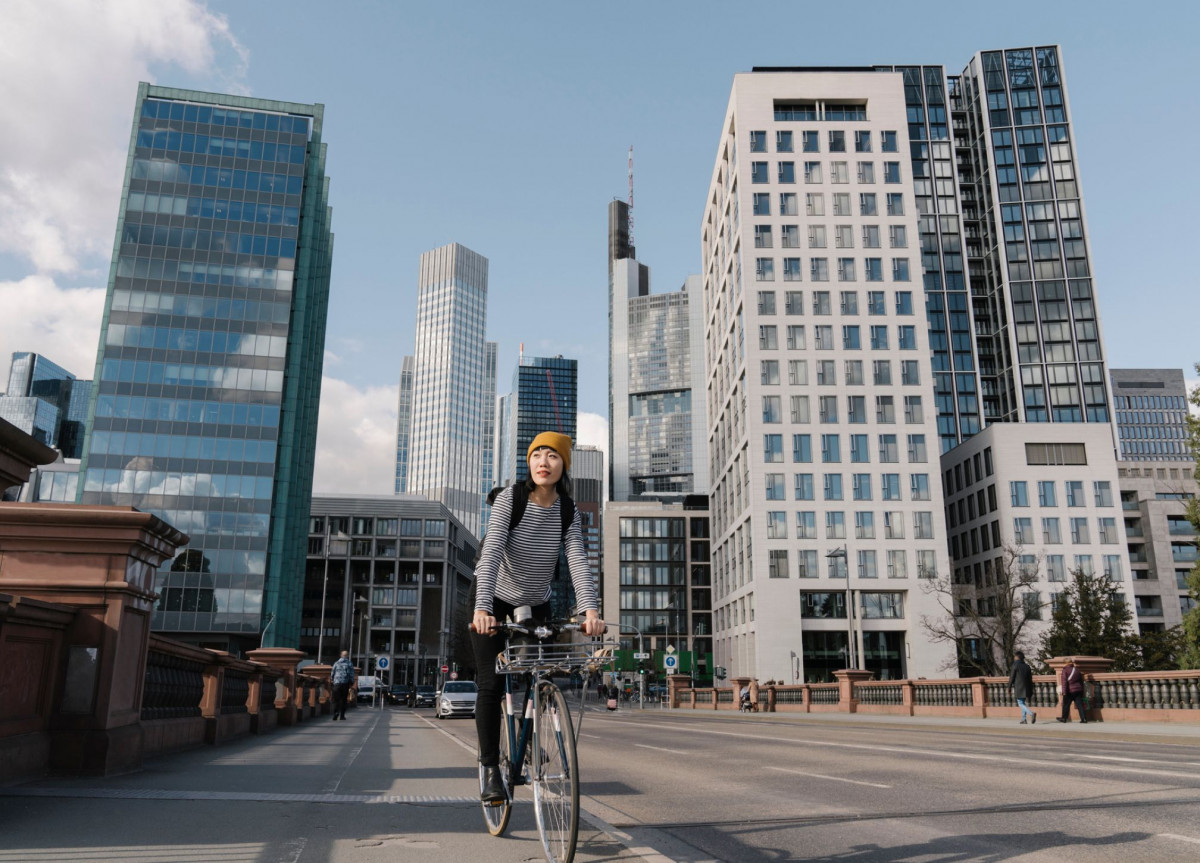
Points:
(515, 569)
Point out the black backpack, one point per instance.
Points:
(521, 501)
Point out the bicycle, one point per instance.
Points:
(538, 741)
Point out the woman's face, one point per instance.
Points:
(545, 467)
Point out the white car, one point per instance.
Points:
(457, 698)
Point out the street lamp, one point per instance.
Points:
(360, 602)
(852, 650)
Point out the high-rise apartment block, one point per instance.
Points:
(656, 377)
(448, 409)
(208, 377)
(1157, 475)
(587, 480)
(404, 424)
(821, 431)
(46, 401)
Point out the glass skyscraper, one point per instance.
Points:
(544, 398)
(46, 401)
(447, 420)
(208, 373)
(403, 424)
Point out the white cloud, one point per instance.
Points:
(70, 70)
(63, 324)
(356, 439)
(592, 430)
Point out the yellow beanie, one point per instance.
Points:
(560, 443)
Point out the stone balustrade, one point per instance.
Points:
(1151, 696)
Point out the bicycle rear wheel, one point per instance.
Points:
(496, 815)
(556, 776)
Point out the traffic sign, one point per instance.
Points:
(445, 668)
(381, 662)
(454, 675)
(670, 663)
(641, 656)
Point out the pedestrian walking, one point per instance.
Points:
(342, 678)
(1020, 681)
(1070, 689)
(530, 524)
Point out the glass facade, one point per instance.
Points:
(1151, 409)
(544, 398)
(404, 424)
(208, 374)
(47, 402)
(448, 389)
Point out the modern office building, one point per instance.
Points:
(47, 402)
(656, 377)
(387, 576)
(1045, 492)
(587, 479)
(657, 579)
(403, 424)
(488, 462)
(446, 429)
(821, 427)
(1157, 475)
(208, 375)
(544, 397)
(1150, 407)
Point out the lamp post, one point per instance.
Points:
(852, 649)
(358, 615)
(321, 622)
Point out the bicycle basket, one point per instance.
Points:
(548, 656)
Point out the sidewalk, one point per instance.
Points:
(385, 785)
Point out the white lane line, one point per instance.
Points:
(1143, 760)
(823, 776)
(1180, 838)
(333, 786)
(1006, 759)
(662, 749)
(442, 730)
(293, 850)
(591, 736)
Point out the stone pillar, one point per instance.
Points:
(770, 698)
(676, 683)
(284, 661)
(321, 673)
(214, 688)
(101, 561)
(737, 683)
(846, 679)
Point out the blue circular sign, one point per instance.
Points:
(381, 663)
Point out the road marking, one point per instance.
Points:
(1033, 762)
(1180, 838)
(333, 786)
(591, 736)
(1143, 760)
(823, 776)
(662, 749)
(442, 730)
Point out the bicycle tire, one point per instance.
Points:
(496, 815)
(556, 776)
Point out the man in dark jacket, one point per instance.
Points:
(342, 678)
(1070, 685)
(1020, 680)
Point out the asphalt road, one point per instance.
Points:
(701, 787)
(397, 785)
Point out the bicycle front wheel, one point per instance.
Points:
(556, 776)
(496, 815)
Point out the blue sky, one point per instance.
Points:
(505, 127)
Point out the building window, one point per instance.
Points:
(783, 141)
(777, 525)
(791, 270)
(897, 567)
(895, 203)
(806, 525)
(830, 448)
(900, 270)
(1074, 493)
(1103, 493)
(898, 236)
(862, 142)
(841, 204)
(1046, 496)
(864, 525)
(777, 563)
(845, 268)
(888, 142)
(774, 486)
(801, 447)
(1079, 531)
(764, 269)
(787, 172)
(814, 204)
(818, 269)
(861, 483)
(758, 142)
(772, 409)
(870, 235)
(919, 486)
(759, 172)
(879, 342)
(788, 205)
(767, 338)
(762, 204)
(837, 141)
(917, 452)
(813, 173)
(866, 204)
(804, 486)
(1019, 492)
(873, 269)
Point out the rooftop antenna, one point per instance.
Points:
(631, 245)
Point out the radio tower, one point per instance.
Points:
(631, 243)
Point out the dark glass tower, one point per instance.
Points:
(208, 375)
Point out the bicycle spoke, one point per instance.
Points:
(556, 776)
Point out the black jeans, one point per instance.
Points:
(339, 699)
(1077, 698)
(491, 686)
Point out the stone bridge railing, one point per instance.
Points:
(1153, 696)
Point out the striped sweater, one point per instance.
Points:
(519, 566)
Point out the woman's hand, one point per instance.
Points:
(483, 622)
(592, 624)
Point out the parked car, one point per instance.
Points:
(398, 693)
(457, 698)
(422, 696)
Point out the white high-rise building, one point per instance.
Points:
(450, 394)
(826, 505)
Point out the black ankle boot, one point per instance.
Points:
(493, 786)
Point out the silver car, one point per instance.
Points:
(457, 698)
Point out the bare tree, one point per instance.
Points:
(986, 614)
